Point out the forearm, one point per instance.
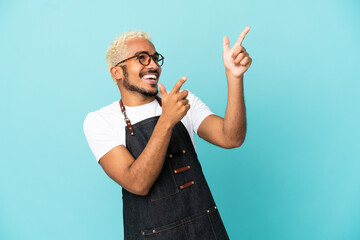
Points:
(234, 126)
(146, 168)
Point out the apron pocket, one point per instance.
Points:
(200, 226)
(174, 233)
(165, 185)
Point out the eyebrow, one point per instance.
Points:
(145, 52)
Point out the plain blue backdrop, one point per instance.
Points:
(295, 177)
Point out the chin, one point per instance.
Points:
(149, 93)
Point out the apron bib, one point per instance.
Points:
(179, 205)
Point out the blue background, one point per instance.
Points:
(295, 177)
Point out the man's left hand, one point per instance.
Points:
(236, 60)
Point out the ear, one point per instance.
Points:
(117, 73)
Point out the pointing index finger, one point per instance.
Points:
(178, 85)
(242, 36)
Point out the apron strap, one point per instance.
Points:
(127, 120)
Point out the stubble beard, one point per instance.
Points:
(134, 88)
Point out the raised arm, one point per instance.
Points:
(230, 131)
(137, 176)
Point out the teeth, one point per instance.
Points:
(150, 76)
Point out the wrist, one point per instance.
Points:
(231, 76)
(165, 123)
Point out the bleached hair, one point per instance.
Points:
(118, 48)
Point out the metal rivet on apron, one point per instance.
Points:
(170, 156)
(142, 233)
(183, 151)
(154, 231)
(175, 171)
(208, 211)
(130, 128)
(132, 134)
(215, 207)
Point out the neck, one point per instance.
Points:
(133, 99)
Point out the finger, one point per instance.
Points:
(225, 44)
(241, 36)
(248, 65)
(245, 61)
(186, 108)
(178, 85)
(239, 57)
(183, 94)
(236, 50)
(163, 92)
(184, 102)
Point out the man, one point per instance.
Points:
(145, 143)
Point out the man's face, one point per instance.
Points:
(137, 77)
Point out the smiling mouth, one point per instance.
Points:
(150, 78)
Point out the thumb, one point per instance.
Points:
(225, 44)
(163, 92)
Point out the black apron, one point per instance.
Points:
(179, 204)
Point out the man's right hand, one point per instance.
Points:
(174, 104)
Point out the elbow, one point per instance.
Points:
(143, 192)
(233, 139)
(140, 190)
(235, 143)
(136, 184)
(137, 189)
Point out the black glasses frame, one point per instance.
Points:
(159, 61)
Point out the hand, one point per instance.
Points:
(236, 60)
(174, 104)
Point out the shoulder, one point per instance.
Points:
(105, 116)
(191, 96)
(193, 99)
(196, 103)
(198, 111)
(104, 129)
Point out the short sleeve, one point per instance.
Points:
(100, 136)
(198, 111)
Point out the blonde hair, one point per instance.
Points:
(118, 48)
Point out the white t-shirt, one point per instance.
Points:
(105, 128)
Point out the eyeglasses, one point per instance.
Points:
(145, 58)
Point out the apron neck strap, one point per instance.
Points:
(127, 120)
